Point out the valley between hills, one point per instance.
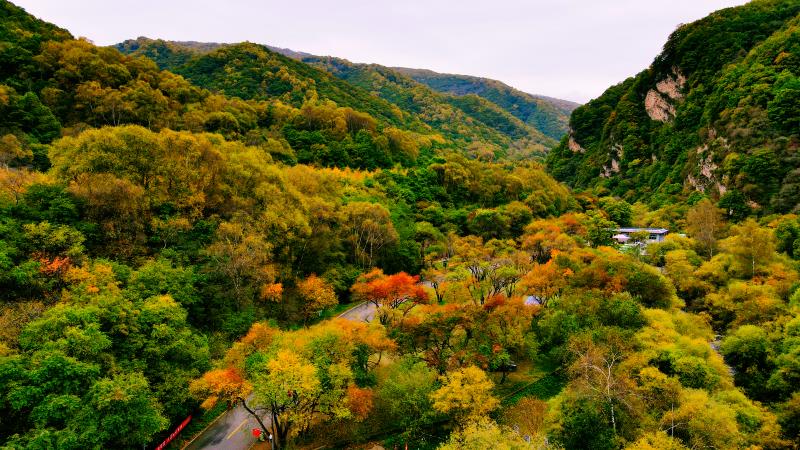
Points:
(234, 245)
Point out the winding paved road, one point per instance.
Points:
(231, 431)
(364, 312)
(234, 429)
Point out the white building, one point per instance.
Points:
(623, 235)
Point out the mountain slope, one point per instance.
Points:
(716, 113)
(161, 51)
(439, 110)
(252, 71)
(60, 82)
(466, 119)
(549, 115)
(21, 37)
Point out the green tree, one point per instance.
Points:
(120, 412)
(406, 390)
(618, 211)
(751, 245)
(704, 224)
(734, 203)
(747, 351)
(584, 425)
(787, 233)
(599, 231)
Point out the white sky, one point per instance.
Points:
(571, 49)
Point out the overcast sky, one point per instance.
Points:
(571, 49)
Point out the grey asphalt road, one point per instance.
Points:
(364, 312)
(233, 430)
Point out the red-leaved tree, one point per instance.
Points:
(389, 293)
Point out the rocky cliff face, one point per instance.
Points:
(717, 113)
(659, 101)
(573, 145)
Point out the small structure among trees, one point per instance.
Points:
(644, 235)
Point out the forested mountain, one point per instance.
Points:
(465, 118)
(547, 114)
(253, 72)
(716, 113)
(432, 106)
(162, 51)
(176, 244)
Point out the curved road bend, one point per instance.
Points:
(233, 430)
(364, 312)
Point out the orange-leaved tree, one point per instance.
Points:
(398, 292)
(545, 281)
(315, 295)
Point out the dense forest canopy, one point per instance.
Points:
(464, 119)
(183, 224)
(549, 115)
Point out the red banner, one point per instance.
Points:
(175, 433)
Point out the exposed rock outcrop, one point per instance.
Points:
(704, 176)
(657, 107)
(615, 159)
(671, 86)
(573, 145)
(658, 102)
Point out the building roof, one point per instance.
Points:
(533, 300)
(649, 230)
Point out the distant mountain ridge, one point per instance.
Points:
(502, 107)
(195, 47)
(550, 115)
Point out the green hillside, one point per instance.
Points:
(253, 72)
(166, 54)
(715, 114)
(296, 112)
(546, 114)
(447, 112)
(257, 72)
(349, 258)
(22, 36)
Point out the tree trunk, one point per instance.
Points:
(281, 431)
(613, 418)
(253, 413)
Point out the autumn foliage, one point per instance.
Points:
(172, 240)
(360, 401)
(226, 385)
(400, 291)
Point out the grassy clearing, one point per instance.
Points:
(544, 388)
(540, 378)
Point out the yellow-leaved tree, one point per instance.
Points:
(466, 394)
(484, 433)
(315, 295)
